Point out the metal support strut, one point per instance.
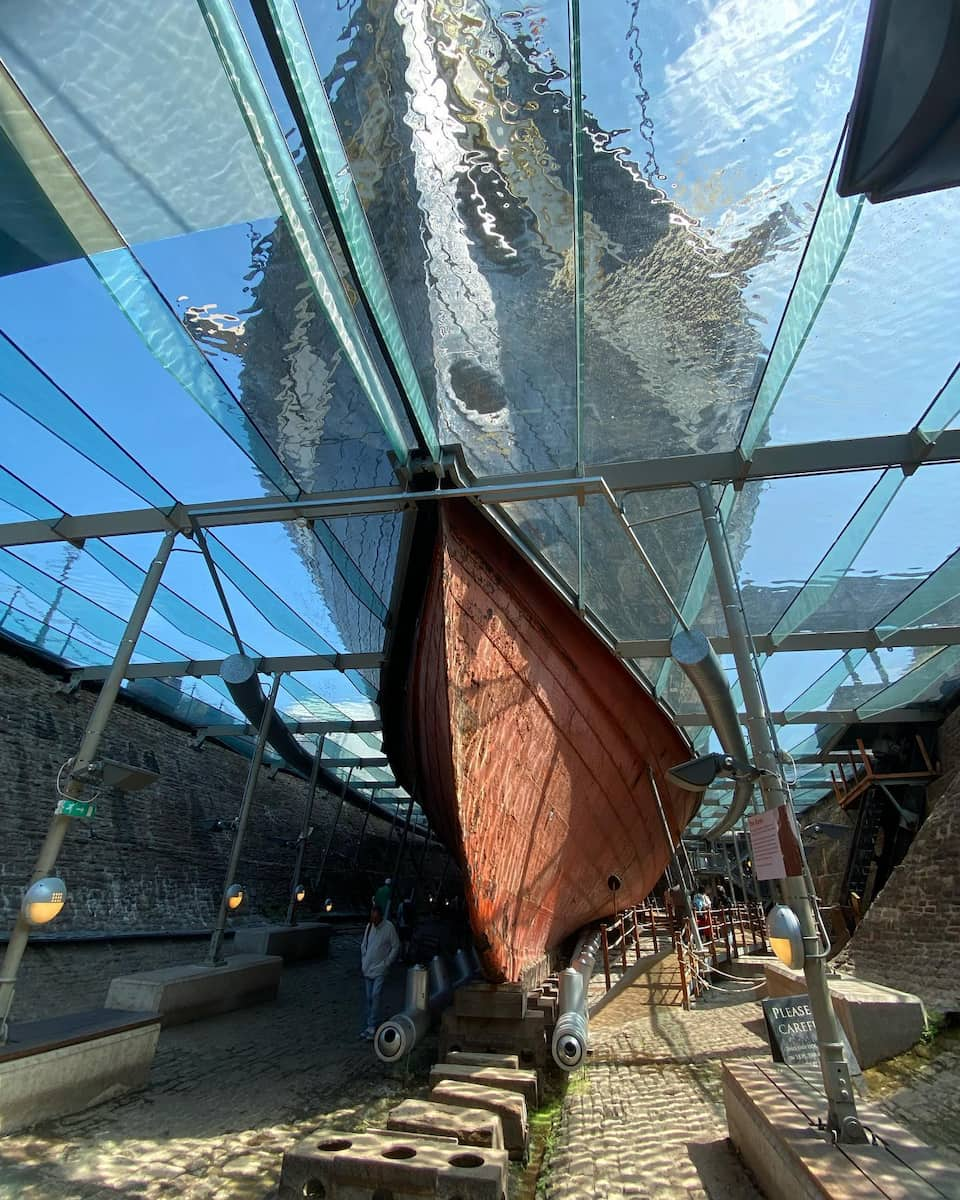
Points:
(842, 1119)
(89, 745)
(215, 954)
(304, 833)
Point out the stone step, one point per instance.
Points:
(526, 1083)
(526, 1038)
(332, 1163)
(474, 1058)
(510, 1107)
(470, 1126)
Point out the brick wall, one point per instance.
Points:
(827, 856)
(910, 936)
(150, 860)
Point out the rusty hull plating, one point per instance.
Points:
(527, 740)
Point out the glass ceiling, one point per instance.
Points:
(261, 262)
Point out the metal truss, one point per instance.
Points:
(838, 640)
(211, 666)
(907, 451)
(827, 716)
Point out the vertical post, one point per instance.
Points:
(678, 943)
(606, 955)
(636, 936)
(304, 832)
(842, 1116)
(363, 831)
(89, 745)
(333, 827)
(403, 842)
(215, 953)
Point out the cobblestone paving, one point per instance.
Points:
(645, 1117)
(226, 1097)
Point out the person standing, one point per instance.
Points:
(379, 946)
(381, 897)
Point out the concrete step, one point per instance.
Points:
(491, 1001)
(332, 1163)
(526, 1083)
(510, 1107)
(473, 1058)
(470, 1126)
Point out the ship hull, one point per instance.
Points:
(526, 741)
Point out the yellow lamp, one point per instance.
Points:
(234, 896)
(43, 900)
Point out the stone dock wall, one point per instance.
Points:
(910, 936)
(152, 860)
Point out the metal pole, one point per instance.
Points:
(675, 857)
(89, 745)
(304, 833)
(333, 827)
(363, 830)
(403, 842)
(215, 954)
(842, 1117)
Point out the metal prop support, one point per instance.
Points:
(333, 827)
(215, 954)
(304, 833)
(89, 745)
(842, 1119)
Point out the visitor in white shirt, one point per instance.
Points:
(379, 946)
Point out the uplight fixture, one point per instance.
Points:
(328, 905)
(300, 893)
(235, 896)
(786, 937)
(43, 900)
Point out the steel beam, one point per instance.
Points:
(838, 640)
(827, 716)
(903, 450)
(211, 666)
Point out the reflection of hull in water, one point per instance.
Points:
(527, 742)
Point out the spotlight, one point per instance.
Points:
(698, 774)
(43, 900)
(235, 896)
(328, 905)
(300, 893)
(786, 938)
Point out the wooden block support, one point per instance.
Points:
(473, 1058)
(510, 1107)
(491, 1001)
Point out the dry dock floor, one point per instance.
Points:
(228, 1095)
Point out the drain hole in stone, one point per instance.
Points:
(314, 1188)
(335, 1144)
(466, 1160)
(400, 1152)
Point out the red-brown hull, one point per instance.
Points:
(530, 745)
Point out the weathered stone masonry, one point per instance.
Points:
(150, 860)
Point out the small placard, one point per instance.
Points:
(792, 1034)
(775, 844)
(791, 1030)
(84, 809)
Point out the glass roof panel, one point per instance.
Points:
(934, 601)
(158, 164)
(837, 391)
(700, 188)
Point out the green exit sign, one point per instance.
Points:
(76, 808)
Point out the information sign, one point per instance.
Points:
(84, 809)
(775, 844)
(793, 1035)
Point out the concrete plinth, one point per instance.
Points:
(293, 943)
(510, 1107)
(470, 1126)
(194, 990)
(64, 1064)
(525, 1038)
(403, 1166)
(525, 1083)
(879, 1021)
(772, 1116)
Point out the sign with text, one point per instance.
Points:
(76, 808)
(792, 1034)
(775, 844)
(791, 1030)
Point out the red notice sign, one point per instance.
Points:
(775, 843)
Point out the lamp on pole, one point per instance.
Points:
(842, 1119)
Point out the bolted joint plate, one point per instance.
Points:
(344, 1166)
